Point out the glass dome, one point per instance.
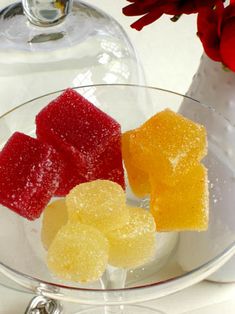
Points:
(53, 44)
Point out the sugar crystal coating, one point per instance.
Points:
(81, 132)
(70, 176)
(29, 175)
(99, 203)
(184, 206)
(109, 165)
(169, 145)
(55, 215)
(138, 179)
(78, 253)
(133, 244)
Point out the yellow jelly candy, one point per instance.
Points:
(54, 217)
(168, 145)
(99, 203)
(78, 253)
(138, 179)
(184, 206)
(133, 244)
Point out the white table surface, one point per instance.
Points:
(170, 55)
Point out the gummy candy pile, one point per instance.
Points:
(96, 228)
(76, 142)
(78, 155)
(162, 158)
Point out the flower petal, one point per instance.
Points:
(207, 24)
(153, 9)
(227, 44)
(147, 19)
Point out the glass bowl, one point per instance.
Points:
(178, 264)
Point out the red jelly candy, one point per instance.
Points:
(109, 165)
(70, 176)
(29, 175)
(82, 134)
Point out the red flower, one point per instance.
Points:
(154, 9)
(216, 30)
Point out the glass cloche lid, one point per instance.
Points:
(46, 45)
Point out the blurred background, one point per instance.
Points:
(170, 51)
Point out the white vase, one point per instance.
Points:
(215, 87)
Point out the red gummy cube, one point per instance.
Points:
(82, 134)
(29, 175)
(70, 176)
(109, 165)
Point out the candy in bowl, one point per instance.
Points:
(175, 264)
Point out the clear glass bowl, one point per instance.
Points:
(177, 264)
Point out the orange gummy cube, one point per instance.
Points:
(168, 145)
(138, 179)
(184, 206)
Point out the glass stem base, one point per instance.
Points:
(42, 304)
(113, 278)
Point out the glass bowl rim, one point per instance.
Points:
(123, 85)
(209, 267)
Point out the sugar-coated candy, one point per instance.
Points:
(138, 179)
(109, 165)
(81, 133)
(99, 203)
(133, 244)
(168, 145)
(78, 253)
(29, 175)
(55, 215)
(70, 176)
(184, 206)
